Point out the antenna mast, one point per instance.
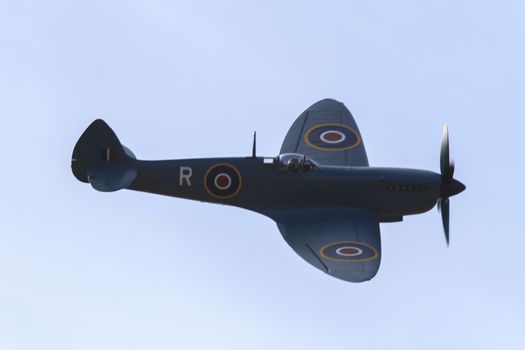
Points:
(254, 144)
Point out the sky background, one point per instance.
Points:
(80, 269)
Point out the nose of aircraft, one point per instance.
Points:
(452, 188)
(456, 187)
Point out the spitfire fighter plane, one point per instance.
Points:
(325, 198)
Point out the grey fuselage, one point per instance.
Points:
(391, 193)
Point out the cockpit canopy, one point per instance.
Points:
(296, 162)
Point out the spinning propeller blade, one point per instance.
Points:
(447, 168)
(444, 208)
(449, 186)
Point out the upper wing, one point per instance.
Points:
(345, 243)
(327, 133)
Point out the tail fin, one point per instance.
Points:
(100, 159)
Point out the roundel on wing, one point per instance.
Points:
(349, 251)
(222, 181)
(332, 137)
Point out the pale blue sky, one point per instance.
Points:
(80, 269)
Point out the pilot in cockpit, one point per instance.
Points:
(296, 162)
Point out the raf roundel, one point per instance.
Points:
(332, 137)
(222, 181)
(349, 252)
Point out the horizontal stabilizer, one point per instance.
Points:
(111, 177)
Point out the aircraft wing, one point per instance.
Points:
(344, 243)
(327, 133)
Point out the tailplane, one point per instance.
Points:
(100, 159)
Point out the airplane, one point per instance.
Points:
(320, 190)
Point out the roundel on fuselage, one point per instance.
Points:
(222, 181)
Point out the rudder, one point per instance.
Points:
(100, 159)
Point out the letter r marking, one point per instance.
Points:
(185, 175)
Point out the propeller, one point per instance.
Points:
(449, 186)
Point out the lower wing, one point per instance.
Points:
(344, 243)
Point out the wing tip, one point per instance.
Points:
(354, 277)
(324, 104)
